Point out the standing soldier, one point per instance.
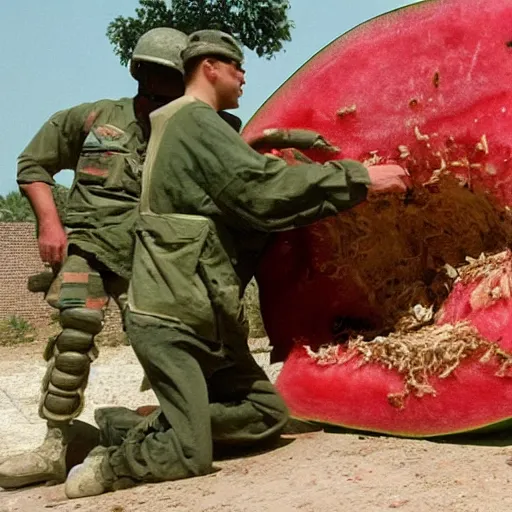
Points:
(105, 143)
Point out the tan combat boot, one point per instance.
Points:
(47, 463)
(86, 479)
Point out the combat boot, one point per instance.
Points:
(86, 479)
(47, 463)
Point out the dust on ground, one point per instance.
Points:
(311, 472)
(320, 471)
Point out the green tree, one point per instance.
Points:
(15, 207)
(260, 25)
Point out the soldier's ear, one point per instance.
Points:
(210, 69)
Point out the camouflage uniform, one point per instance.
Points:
(197, 246)
(105, 144)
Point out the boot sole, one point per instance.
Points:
(15, 482)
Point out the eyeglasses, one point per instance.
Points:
(237, 65)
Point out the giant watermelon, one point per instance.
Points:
(396, 316)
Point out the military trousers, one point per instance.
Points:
(208, 393)
(83, 281)
(80, 292)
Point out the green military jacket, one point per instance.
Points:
(105, 145)
(207, 207)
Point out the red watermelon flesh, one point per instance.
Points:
(468, 390)
(427, 87)
(482, 296)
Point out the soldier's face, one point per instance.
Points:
(229, 83)
(161, 81)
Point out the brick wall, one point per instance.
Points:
(19, 258)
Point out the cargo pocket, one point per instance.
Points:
(224, 290)
(93, 168)
(165, 280)
(106, 161)
(112, 171)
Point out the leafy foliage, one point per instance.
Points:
(15, 207)
(260, 25)
(15, 330)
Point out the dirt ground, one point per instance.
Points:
(316, 471)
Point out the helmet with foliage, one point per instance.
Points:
(160, 46)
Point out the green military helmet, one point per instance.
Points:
(161, 46)
(212, 42)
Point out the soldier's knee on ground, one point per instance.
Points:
(266, 399)
(285, 424)
(278, 413)
(268, 402)
(69, 358)
(115, 422)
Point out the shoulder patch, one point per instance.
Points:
(108, 132)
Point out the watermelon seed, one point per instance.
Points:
(423, 314)
(509, 44)
(413, 103)
(434, 178)
(451, 272)
(436, 79)
(458, 163)
(404, 151)
(419, 135)
(496, 293)
(373, 159)
(491, 170)
(437, 172)
(443, 163)
(347, 110)
(482, 145)
(476, 263)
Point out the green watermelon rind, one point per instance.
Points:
(500, 426)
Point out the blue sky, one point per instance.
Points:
(56, 55)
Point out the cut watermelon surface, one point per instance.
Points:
(389, 318)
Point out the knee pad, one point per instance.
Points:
(59, 405)
(82, 319)
(69, 358)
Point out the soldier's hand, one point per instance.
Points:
(52, 243)
(388, 178)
